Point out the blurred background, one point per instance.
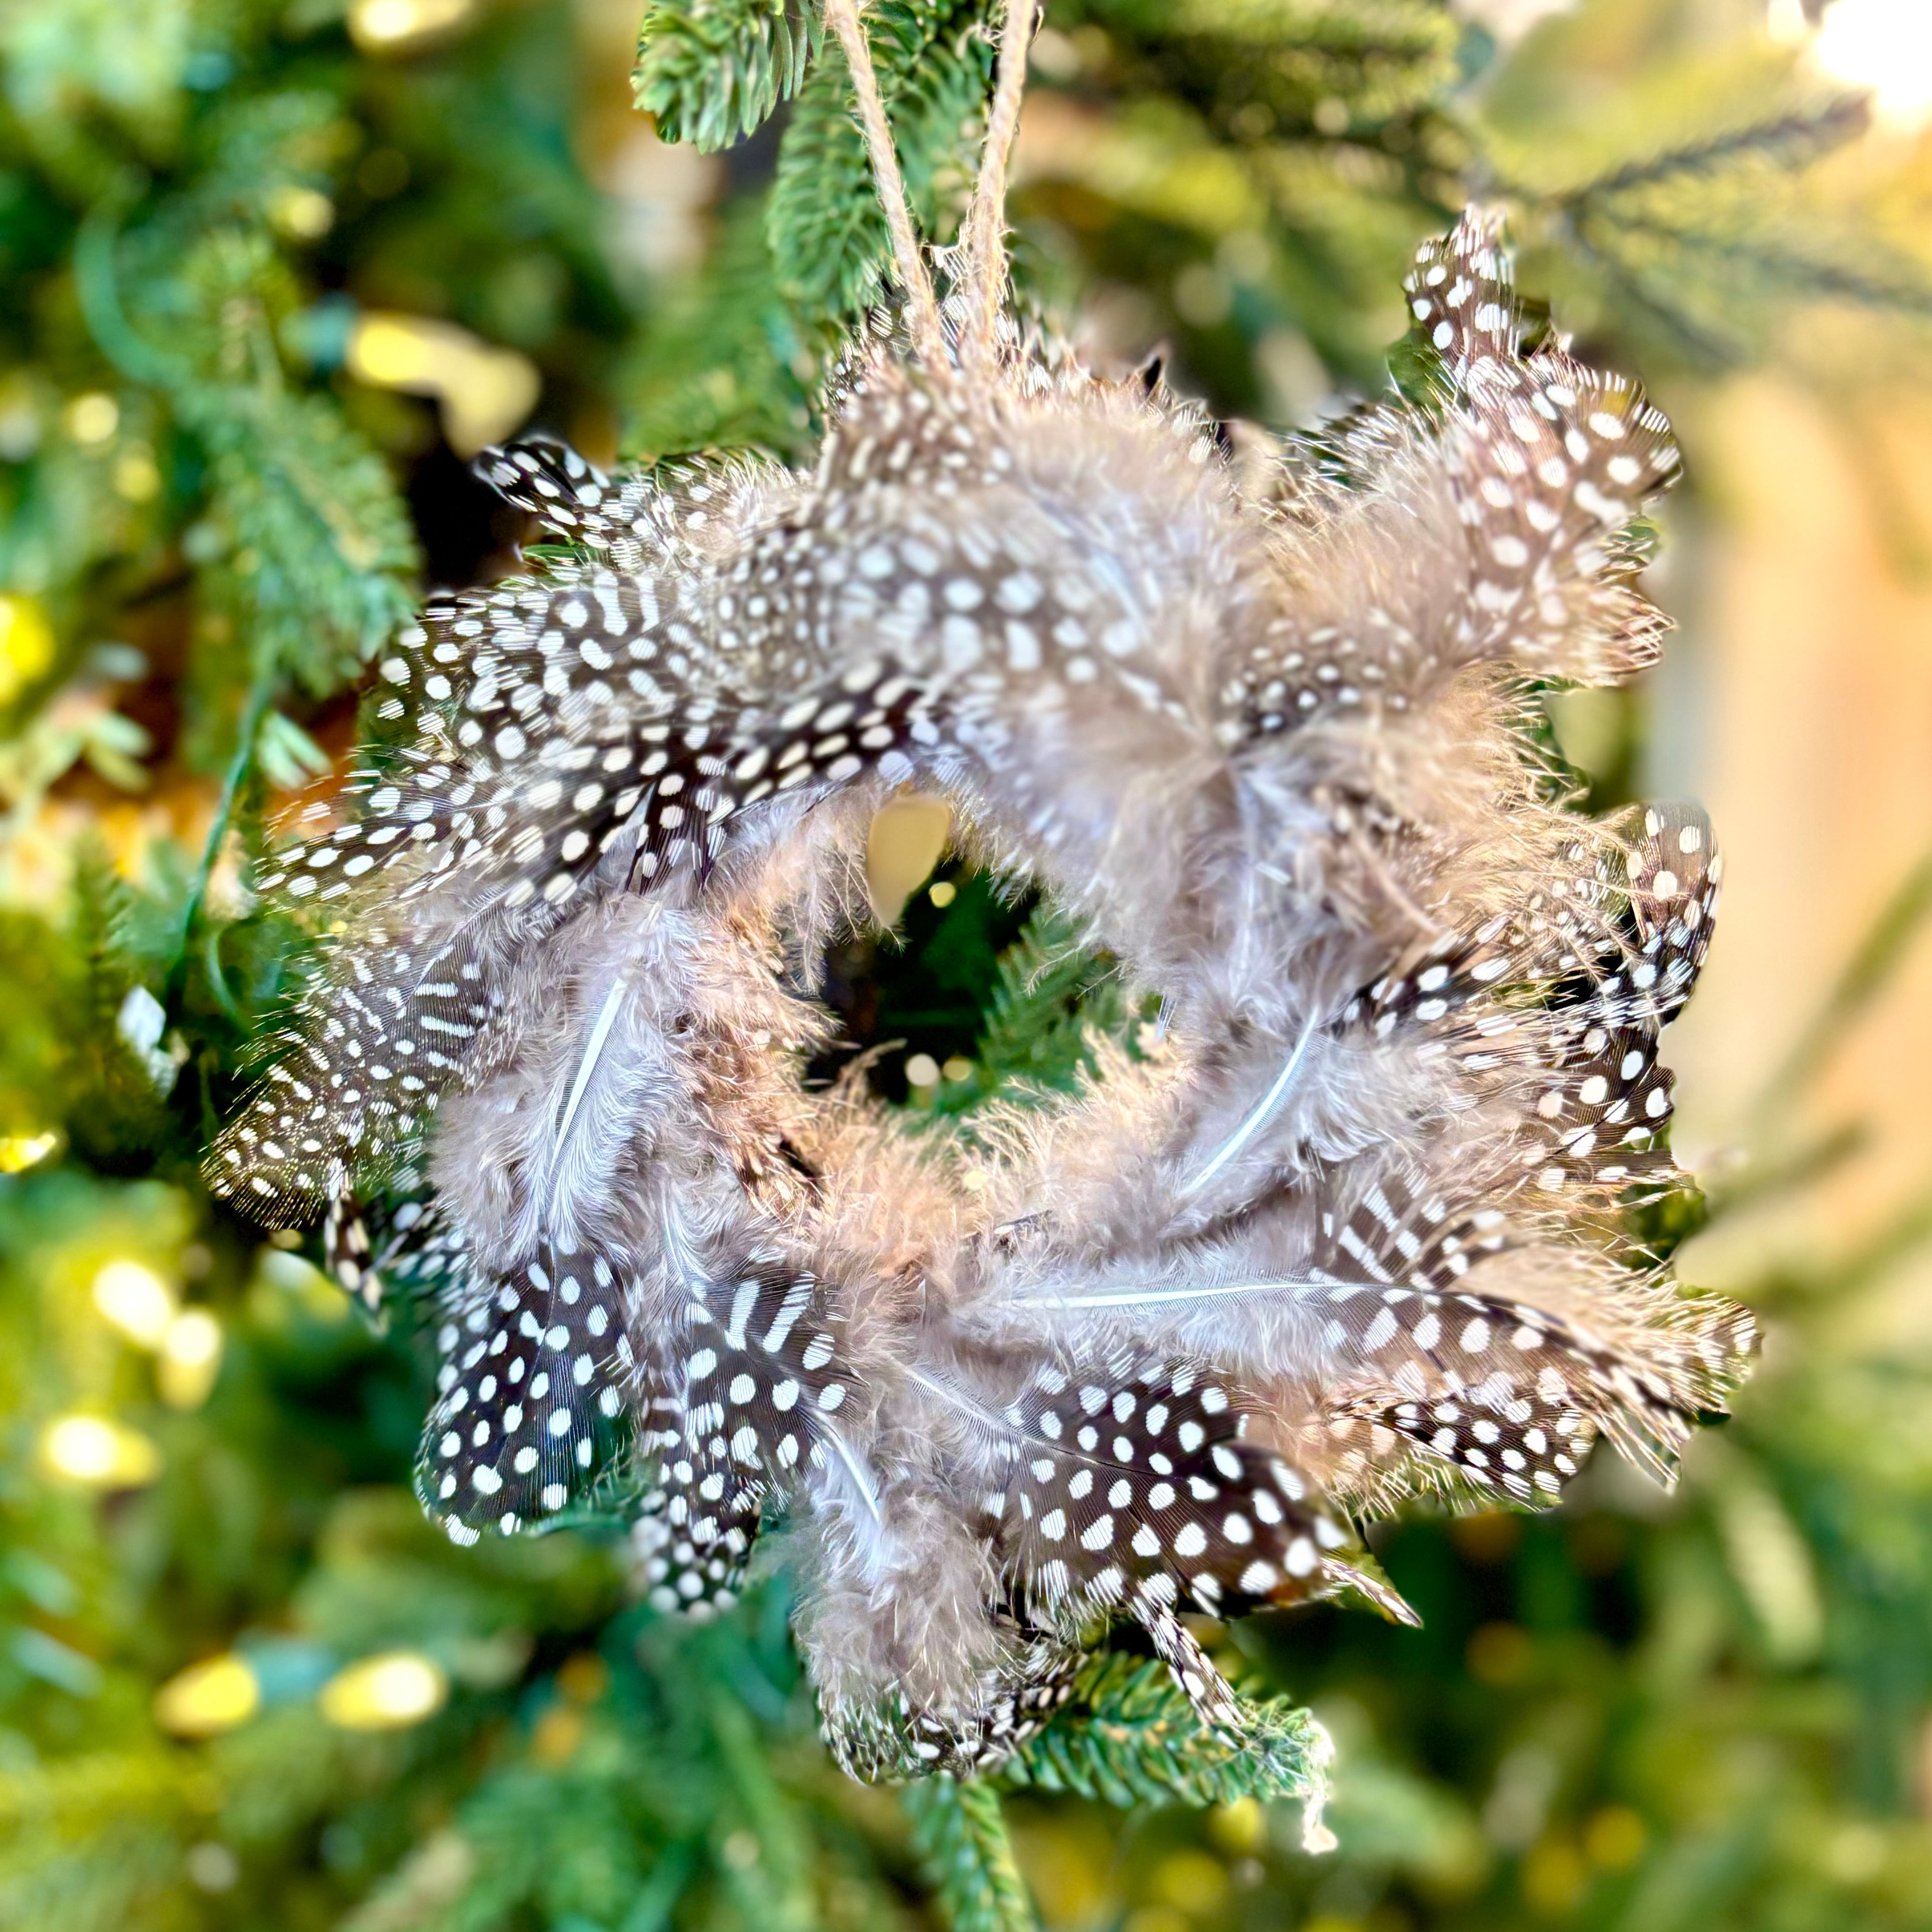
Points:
(270, 272)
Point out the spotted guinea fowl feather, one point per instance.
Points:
(1356, 1230)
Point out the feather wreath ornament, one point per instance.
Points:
(1353, 1229)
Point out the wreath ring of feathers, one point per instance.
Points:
(1355, 1228)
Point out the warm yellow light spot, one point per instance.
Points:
(583, 1678)
(1554, 1876)
(1240, 1828)
(212, 1866)
(1614, 1838)
(485, 392)
(385, 25)
(943, 892)
(1489, 1537)
(958, 1068)
(19, 1152)
(400, 351)
(1202, 294)
(304, 213)
(1855, 1853)
(1192, 1880)
(19, 417)
(93, 418)
(139, 1303)
(556, 1736)
(922, 1070)
(191, 1358)
(209, 1697)
(89, 1449)
(384, 1692)
(1886, 45)
(1500, 1654)
(903, 844)
(137, 478)
(26, 644)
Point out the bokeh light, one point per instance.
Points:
(135, 1300)
(91, 1449)
(384, 1692)
(209, 1698)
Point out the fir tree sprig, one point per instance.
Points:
(824, 225)
(725, 363)
(711, 72)
(1129, 1736)
(1051, 997)
(303, 553)
(961, 1831)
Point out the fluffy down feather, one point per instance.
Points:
(1353, 1230)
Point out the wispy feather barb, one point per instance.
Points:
(1353, 1229)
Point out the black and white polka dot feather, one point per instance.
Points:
(1493, 532)
(1509, 1393)
(758, 1386)
(534, 1395)
(1129, 1484)
(1035, 1680)
(1259, 725)
(403, 1245)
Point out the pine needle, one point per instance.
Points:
(961, 1830)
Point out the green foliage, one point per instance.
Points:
(824, 225)
(1690, 208)
(182, 473)
(1262, 172)
(722, 367)
(659, 1783)
(712, 72)
(1129, 1736)
(592, 1759)
(302, 545)
(1381, 60)
(962, 1837)
(1052, 997)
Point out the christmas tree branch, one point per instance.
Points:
(712, 72)
(1797, 137)
(961, 1830)
(1130, 1736)
(97, 287)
